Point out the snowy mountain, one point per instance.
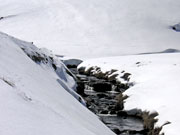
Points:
(156, 79)
(94, 28)
(36, 94)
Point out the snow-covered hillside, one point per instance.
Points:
(34, 98)
(93, 28)
(156, 78)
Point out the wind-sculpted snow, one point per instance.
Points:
(33, 101)
(93, 28)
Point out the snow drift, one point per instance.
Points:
(33, 102)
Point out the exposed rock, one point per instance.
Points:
(122, 71)
(54, 66)
(126, 76)
(112, 112)
(104, 112)
(112, 77)
(135, 112)
(81, 70)
(116, 130)
(121, 87)
(122, 113)
(99, 74)
(1, 18)
(88, 70)
(102, 86)
(80, 88)
(138, 63)
(176, 27)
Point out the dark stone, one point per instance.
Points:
(126, 76)
(81, 70)
(102, 86)
(111, 107)
(114, 82)
(121, 87)
(122, 113)
(138, 62)
(112, 112)
(119, 106)
(122, 71)
(80, 88)
(54, 66)
(104, 112)
(135, 112)
(116, 130)
(71, 66)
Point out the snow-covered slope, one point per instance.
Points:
(96, 27)
(156, 78)
(33, 102)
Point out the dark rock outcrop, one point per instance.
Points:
(101, 86)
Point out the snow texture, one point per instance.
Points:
(93, 28)
(33, 102)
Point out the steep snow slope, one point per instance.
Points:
(96, 27)
(32, 100)
(156, 78)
